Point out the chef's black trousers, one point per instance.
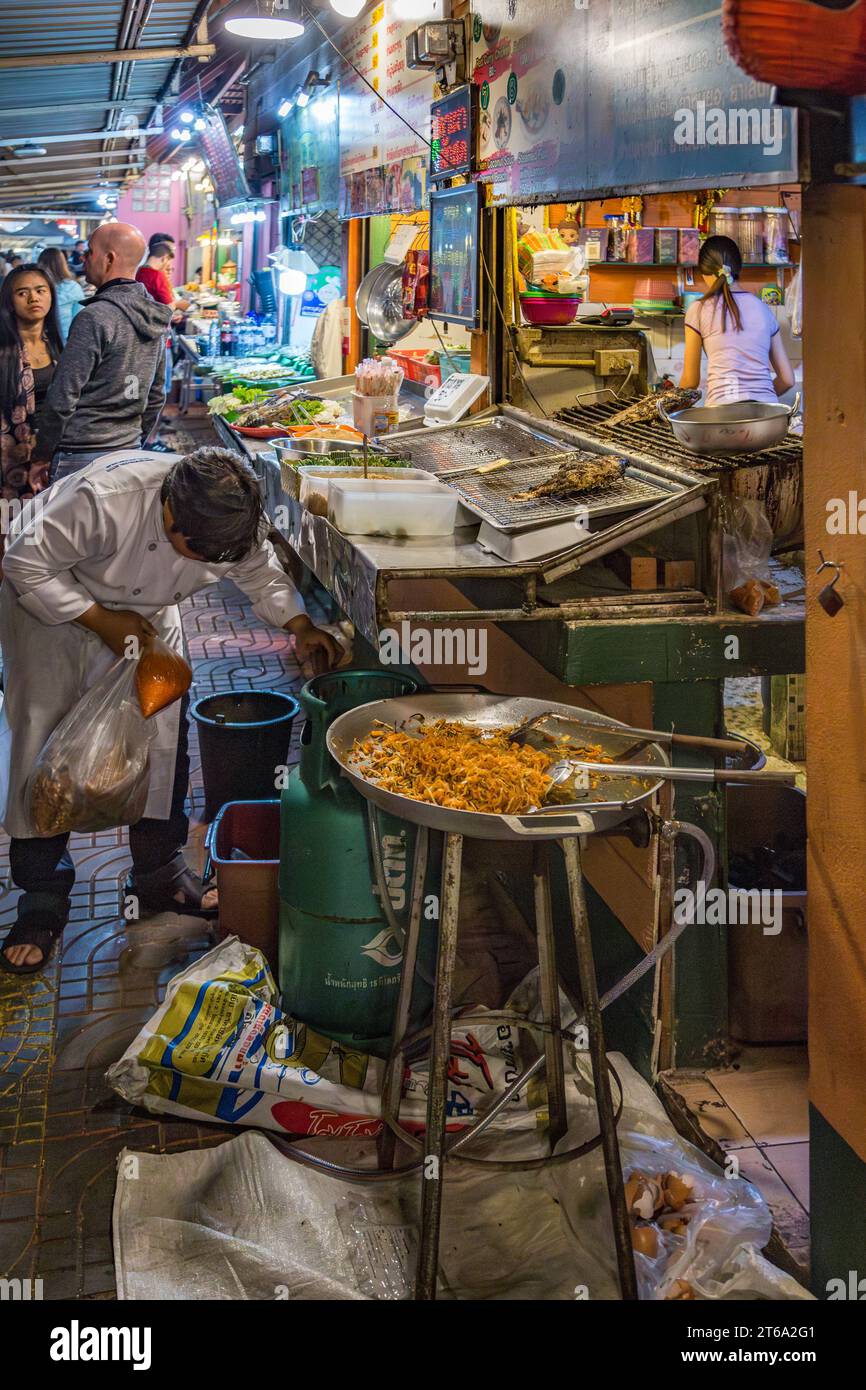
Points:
(43, 866)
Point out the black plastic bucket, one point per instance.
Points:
(243, 739)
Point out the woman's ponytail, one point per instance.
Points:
(720, 256)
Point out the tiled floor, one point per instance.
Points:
(61, 1127)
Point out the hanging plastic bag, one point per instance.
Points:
(161, 677)
(748, 541)
(94, 771)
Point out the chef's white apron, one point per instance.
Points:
(46, 670)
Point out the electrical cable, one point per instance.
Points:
(423, 138)
(342, 56)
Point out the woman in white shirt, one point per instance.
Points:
(746, 359)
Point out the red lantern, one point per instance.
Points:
(815, 44)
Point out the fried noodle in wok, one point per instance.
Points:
(461, 767)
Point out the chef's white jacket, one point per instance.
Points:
(99, 537)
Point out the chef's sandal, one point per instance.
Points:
(30, 931)
(156, 891)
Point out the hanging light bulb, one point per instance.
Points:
(349, 9)
(267, 19)
(187, 117)
(292, 282)
(200, 123)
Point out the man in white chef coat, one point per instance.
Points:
(108, 554)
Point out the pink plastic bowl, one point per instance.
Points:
(556, 310)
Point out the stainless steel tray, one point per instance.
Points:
(458, 450)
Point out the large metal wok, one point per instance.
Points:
(743, 427)
(621, 794)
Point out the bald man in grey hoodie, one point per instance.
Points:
(108, 390)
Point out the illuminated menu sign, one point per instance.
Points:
(450, 135)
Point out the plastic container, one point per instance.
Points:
(244, 847)
(549, 311)
(751, 238)
(415, 366)
(388, 507)
(776, 226)
(315, 482)
(454, 363)
(243, 738)
(766, 833)
(641, 245)
(374, 415)
(725, 221)
(666, 245)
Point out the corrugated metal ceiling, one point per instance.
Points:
(32, 99)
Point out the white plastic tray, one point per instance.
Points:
(391, 507)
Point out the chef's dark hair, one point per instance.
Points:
(720, 256)
(216, 505)
(11, 345)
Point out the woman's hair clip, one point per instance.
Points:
(727, 272)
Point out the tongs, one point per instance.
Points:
(567, 767)
(730, 747)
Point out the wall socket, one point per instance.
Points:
(616, 361)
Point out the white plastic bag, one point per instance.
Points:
(94, 771)
(748, 541)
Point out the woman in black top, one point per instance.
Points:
(30, 346)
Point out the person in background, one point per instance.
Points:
(14, 260)
(121, 544)
(166, 239)
(108, 390)
(30, 346)
(70, 295)
(746, 359)
(154, 274)
(76, 258)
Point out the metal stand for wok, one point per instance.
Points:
(436, 1156)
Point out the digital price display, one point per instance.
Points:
(451, 135)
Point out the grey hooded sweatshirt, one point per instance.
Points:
(109, 387)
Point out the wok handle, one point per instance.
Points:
(732, 746)
(551, 826)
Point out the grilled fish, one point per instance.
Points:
(274, 408)
(579, 474)
(645, 409)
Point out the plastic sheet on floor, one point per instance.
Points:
(241, 1221)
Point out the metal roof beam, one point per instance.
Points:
(60, 106)
(83, 135)
(46, 160)
(110, 55)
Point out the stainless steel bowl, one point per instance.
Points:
(302, 450)
(744, 427)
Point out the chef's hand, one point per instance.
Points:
(116, 627)
(313, 645)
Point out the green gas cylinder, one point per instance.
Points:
(339, 959)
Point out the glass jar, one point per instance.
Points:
(751, 238)
(776, 236)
